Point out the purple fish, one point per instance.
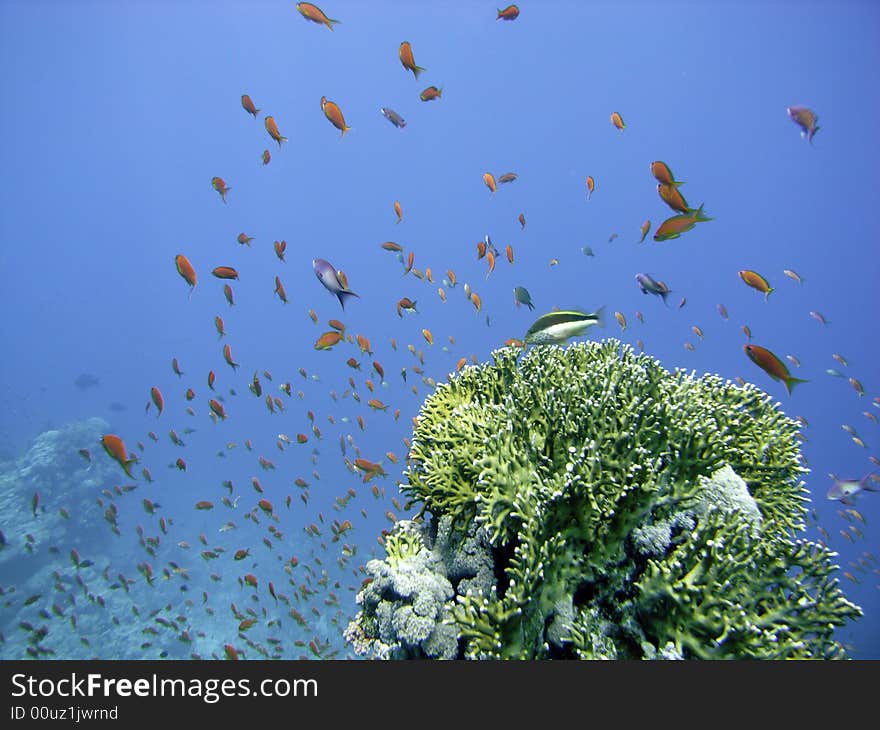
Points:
(330, 279)
(648, 285)
(845, 490)
(393, 117)
(806, 119)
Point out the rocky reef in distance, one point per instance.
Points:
(586, 503)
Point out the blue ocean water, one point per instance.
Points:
(118, 116)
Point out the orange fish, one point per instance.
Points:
(509, 251)
(175, 366)
(244, 239)
(328, 340)
(334, 114)
(757, 282)
(227, 292)
(477, 302)
(272, 129)
(391, 246)
(370, 468)
(661, 172)
(227, 355)
(225, 272)
(617, 121)
(219, 325)
(406, 58)
(249, 105)
(220, 186)
(279, 290)
(266, 157)
(409, 262)
(489, 179)
(156, 395)
(280, 247)
(511, 12)
(315, 14)
(217, 409)
(646, 226)
(591, 185)
(429, 338)
(450, 274)
(671, 195)
(522, 221)
(481, 250)
(490, 257)
(398, 210)
(431, 93)
(186, 270)
(116, 450)
(772, 365)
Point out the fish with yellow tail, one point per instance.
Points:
(772, 365)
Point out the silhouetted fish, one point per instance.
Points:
(86, 380)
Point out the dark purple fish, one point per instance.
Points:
(649, 286)
(86, 380)
(330, 279)
(393, 117)
(806, 119)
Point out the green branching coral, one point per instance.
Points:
(628, 512)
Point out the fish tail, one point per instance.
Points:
(345, 293)
(529, 305)
(791, 381)
(417, 70)
(698, 214)
(811, 134)
(331, 22)
(600, 316)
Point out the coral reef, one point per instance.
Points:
(586, 503)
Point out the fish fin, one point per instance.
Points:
(790, 382)
(417, 70)
(698, 215)
(600, 316)
(866, 480)
(345, 293)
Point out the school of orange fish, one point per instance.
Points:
(311, 591)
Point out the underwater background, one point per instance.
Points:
(118, 116)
